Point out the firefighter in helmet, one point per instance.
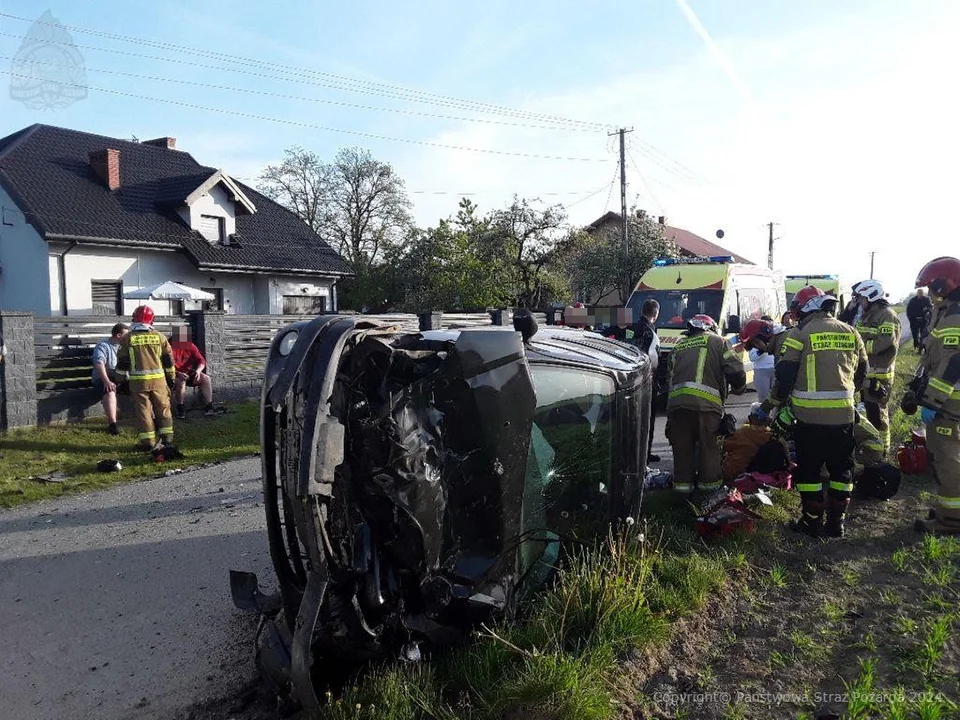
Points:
(823, 363)
(146, 357)
(879, 326)
(767, 339)
(938, 393)
(701, 367)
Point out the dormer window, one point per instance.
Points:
(213, 228)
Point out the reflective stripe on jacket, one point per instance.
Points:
(941, 359)
(701, 365)
(880, 329)
(146, 356)
(825, 357)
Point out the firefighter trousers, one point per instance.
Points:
(149, 402)
(691, 432)
(879, 417)
(819, 445)
(943, 445)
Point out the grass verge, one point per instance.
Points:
(72, 452)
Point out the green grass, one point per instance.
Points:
(900, 423)
(75, 449)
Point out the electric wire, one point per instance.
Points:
(644, 180)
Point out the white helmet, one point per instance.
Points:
(872, 290)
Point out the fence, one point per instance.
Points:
(46, 375)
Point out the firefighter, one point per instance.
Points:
(879, 327)
(146, 357)
(823, 363)
(767, 339)
(701, 367)
(939, 393)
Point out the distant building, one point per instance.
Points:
(688, 244)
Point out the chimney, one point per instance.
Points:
(106, 163)
(165, 142)
(662, 220)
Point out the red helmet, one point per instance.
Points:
(143, 314)
(755, 328)
(702, 322)
(942, 276)
(809, 299)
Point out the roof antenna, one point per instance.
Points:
(135, 138)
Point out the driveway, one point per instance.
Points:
(116, 605)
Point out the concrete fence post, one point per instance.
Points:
(18, 371)
(210, 336)
(430, 321)
(502, 316)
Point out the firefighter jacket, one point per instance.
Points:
(145, 355)
(941, 360)
(880, 329)
(701, 366)
(870, 450)
(776, 347)
(823, 363)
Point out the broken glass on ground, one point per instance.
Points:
(417, 484)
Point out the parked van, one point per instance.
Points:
(731, 293)
(831, 284)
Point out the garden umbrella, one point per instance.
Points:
(169, 290)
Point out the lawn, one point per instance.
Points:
(71, 453)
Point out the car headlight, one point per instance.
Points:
(287, 343)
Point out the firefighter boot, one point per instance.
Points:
(836, 514)
(811, 518)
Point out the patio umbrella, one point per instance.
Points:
(169, 290)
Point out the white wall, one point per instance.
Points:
(144, 268)
(24, 272)
(217, 202)
(281, 285)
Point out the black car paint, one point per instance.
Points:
(393, 469)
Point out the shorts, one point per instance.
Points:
(123, 386)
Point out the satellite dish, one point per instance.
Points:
(720, 234)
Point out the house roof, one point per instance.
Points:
(46, 170)
(687, 241)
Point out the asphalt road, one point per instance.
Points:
(116, 605)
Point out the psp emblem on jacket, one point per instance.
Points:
(48, 72)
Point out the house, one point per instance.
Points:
(688, 245)
(85, 218)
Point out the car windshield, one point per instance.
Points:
(678, 306)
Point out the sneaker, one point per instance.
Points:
(113, 429)
(653, 458)
(209, 410)
(181, 413)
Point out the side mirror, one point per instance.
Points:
(733, 323)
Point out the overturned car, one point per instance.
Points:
(417, 483)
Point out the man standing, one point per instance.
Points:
(146, 357)
(702, 365)
(105, 379)
(646, 338)
(189, 364)
(938, 392)
(823, 363)
(919, 310)
(879, 327)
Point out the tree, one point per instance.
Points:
(599, 265)
(357, 203)
(531, 240)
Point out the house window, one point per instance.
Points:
(213, 228)
(304, 304)
(216, 303)
(107, 297)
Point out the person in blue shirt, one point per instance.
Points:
(105, 379)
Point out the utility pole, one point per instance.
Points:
(770, 246)
(872, 253)
(623, 184)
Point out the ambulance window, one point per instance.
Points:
(750, 304)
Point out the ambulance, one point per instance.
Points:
(731, 293)
(831, 284)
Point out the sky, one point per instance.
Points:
(837, 121)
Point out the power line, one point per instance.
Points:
(371, 86)
(613, 181)
(297, 123)
(584, 199)
(644, 180)
(340, 103)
